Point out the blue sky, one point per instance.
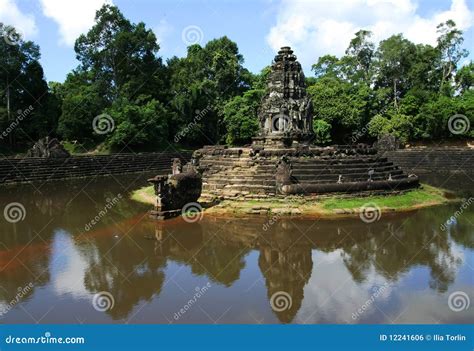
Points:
(312, 28)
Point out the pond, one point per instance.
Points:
(82, 252)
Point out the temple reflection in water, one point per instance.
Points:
(328, 268)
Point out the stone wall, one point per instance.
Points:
(447, 167)
(433, 159)
(22, 170)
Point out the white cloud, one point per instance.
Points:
(10, 14)
(162, 30)
(72, 17)
(318, 27)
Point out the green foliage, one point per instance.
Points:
(143, 123)
(322, 131)
(394, 123)
(206, 79)
(207, 97)
(23, 88)
(339, 103)
(398, 88)
(240, 117)
(432, 121)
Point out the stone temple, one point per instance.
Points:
(286, 113)
(281, 160)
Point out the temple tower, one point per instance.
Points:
(285, 113)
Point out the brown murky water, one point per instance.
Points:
(80, 240)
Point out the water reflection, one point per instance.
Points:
(329, 268)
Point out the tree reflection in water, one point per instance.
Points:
(128, 255)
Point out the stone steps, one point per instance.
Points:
(335, 161)
(342, 170)
(241, 181)
(325, 179)
(332, 174)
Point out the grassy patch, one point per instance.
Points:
(424, 195)
(144, 195)
(316, 206)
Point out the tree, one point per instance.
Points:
(322, 131)
(26, 95)
(240, 117)
(362, 50)
(340, 104)
(143, 123)
(465, 78)
(394, 58)
(451, 52)
(205, 80)
(118, 65)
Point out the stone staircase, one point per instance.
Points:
(232, 172)
(354, 169)
(230, 176)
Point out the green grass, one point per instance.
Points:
(422, 197)
(425, 194)
(144, 195)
